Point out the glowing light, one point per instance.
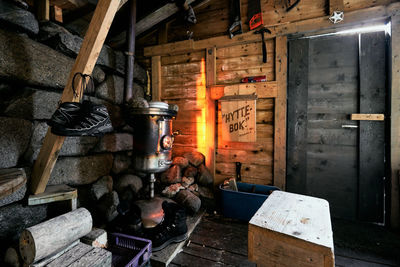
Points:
(201, 118)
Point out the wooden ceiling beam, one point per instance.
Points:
(149, 21)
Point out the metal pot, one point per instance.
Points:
(152, 137)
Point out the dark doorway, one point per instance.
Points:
(329, 155)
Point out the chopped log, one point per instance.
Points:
(40, 241)
(11, 180)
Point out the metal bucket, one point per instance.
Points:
(152, 137)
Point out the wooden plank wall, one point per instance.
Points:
(213, 17)
(233, 64)
(183, 83)
(183, 80)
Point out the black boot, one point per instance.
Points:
(172, 229)
(93, 121)
(66, 114)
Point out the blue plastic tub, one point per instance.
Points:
(245, 202)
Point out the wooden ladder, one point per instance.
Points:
(84, 63)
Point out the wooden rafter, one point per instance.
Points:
(149, 21)
(84, 63)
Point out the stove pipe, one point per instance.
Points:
(130, 53)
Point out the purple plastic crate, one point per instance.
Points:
(129, 251)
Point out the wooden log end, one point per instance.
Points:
(27, 247)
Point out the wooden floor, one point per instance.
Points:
(219, 241)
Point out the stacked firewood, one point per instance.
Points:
(188, 181)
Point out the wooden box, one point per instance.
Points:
(291, 230)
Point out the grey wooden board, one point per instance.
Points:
(332, 153)
(341, 261)
(297, 116)
(330, 160)
(45, 261)
(216, 241)
(228, 234)
(372, 133)
(83, 255)
(54, 193)
(183, 259)
(165, 256)
(215, 254)
(97, 257)
(347, 256)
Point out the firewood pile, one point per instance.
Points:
(187, 181)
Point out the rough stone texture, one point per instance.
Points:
(172, 175)
(121, 163)
(131, 181)
(190, 171)
(181, 162)
(195, 158)
(14, 218)
(112, 89)
(20, 18)
(73, 146)
(27, 61)
(14, 139)
(48, 29)
(33, 104)
(191, 202)
(187, 181)
(70, 45)
(107, 206)
(102, 186)
(205, 178)
(115, 142)
(172, 190)
(7, 92)
(81, 170)
(14, 197)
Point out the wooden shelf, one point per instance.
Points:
(262, 90)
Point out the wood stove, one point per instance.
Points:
(152, 138)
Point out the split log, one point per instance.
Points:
(41, 240)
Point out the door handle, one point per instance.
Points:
(349, 126)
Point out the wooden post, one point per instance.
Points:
(280, 113)
(42, 10)
(395, 123)
(84, 63)
(156, 78)
(335, 5)
(211, 77)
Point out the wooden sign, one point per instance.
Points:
(239, 118)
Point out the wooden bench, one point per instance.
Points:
(291, 230)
